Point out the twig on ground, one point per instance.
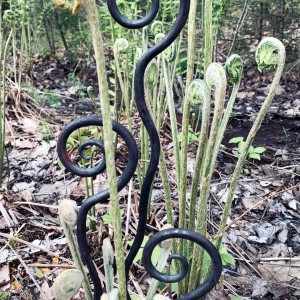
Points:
(7, 236)
(260, 202)
(44, 296)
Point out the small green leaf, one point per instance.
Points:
(236, 140)
(235, 297)
(94, 130)
(84, 138)
(60, 164)
(70, 142)
(251, 149)
(241, 146)
(112, 80)
(260, 150)
(155, 254)
(112, 93)
(254, 155)
(3, 295)
(107, 219)
(192, 138)
(38, 273)
(90, 219)
(227, 259)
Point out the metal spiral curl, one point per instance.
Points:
(88, 172)
(195, 237)
(139, 90)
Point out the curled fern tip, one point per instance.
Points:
(269, 53)
(234, 68)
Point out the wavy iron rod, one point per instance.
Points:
(139, 90)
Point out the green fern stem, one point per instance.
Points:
(208, 34)
(266, 61)
(67, 211)
(92, 18)
(215, 77)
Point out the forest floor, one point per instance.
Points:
(264, 226)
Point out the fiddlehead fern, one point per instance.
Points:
(197, 92)
(120, 45)
(234, 68)
(157, 27)
(151, 74)
(66, 284)
(270, 53)
(215, 78)
(68, 211)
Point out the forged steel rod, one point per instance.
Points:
(85, 172)
(145, 115)
(139, 90)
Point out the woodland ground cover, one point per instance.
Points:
(47, 91)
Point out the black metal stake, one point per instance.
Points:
(130, 169)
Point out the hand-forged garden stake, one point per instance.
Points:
(157, 238)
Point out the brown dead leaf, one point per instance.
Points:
(46, 271)
(244, 95)
(4, 275)
(18, 155)
(280, 271)
(25, 143)
(217, 295)
(15, 285)
(26, 195)
(55, 260)
(30, 125)
(41, 150)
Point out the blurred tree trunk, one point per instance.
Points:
(261, 21)
(281, 19)
(59, 26)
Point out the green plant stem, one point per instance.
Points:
(94, 23)
(165, 180)
(208, 34)
(186, 112)
(199, 156)
(165, 249)
(185, 131)
(219, 139)
(3, 54)
(74, 250)
(162, 163)
(255, 127)
(215, 77)
(171, 108)
(205, 95)
(166, 186)
(124, 88)
(108, 260)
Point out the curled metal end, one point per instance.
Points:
(63, 153)
(133, 24)
(102, 196)
(195, 237)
